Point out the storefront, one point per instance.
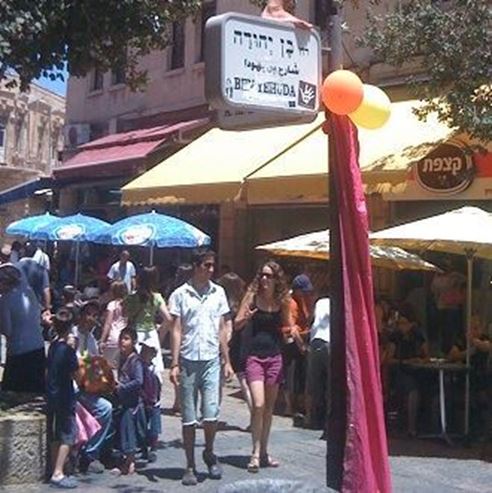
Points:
(457, 172)
(271, 183)
(90, 181)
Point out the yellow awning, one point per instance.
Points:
(212, 168)
(385, 156)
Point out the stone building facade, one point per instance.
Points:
(100, 104)
(31, 138)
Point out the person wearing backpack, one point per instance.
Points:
(129, 392)
(151, 398)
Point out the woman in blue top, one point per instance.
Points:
(20, 322)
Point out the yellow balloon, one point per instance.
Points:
(375, 109)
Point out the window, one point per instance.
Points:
(118, 70)
(20, 134)
(321, 13)
(98, 130)
(177, 45)
(97, 80)
(41, 141)
(209, 9)
(118, 75)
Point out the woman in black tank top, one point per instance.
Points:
(264, 311)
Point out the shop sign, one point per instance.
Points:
(448, 169)
(256, 64)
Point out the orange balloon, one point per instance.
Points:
(342, 92)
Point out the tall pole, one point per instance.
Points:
(77, 260)
(469, 296)
(337, 421)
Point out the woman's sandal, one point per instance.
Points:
(254, 464)
(267, 461)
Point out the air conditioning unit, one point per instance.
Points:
(76, 134)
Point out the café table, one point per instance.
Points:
(441, 367)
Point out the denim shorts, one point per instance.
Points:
(62, 426)
(199, 377)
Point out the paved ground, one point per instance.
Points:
(417, 466)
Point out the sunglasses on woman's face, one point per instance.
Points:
(268, 275)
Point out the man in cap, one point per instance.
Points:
(302, 306)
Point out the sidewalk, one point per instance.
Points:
(302, 457)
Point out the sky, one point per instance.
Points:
(58, 86)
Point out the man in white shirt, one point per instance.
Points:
(41, 258)
(198, 337)
(317, 386)
(124, 270)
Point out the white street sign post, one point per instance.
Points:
(260, 72)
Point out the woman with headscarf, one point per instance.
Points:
(20, 323)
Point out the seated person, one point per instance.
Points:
(480, 371)
(384, 314)
(98, 406)
(407, 345)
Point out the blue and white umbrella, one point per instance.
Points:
(29, 225)
(152, 230)
(71, 228)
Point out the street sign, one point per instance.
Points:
(261, 65)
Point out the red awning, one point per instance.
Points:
(119, 154)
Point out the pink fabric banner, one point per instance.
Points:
(366, 464)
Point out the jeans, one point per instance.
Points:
(132, 428)
(102, 410)
(203, 377)
(318, 375)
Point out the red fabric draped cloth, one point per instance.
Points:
(366, 465)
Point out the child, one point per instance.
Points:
(129, 389)
(60, 395)
(114, 323)
(85, 328)
(69, 300)
(151, 396)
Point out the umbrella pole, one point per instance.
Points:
(151, 259)
(469, 291)
(77, 254)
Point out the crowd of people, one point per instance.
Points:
(101, 347)
(430, 329)
(97, 357)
